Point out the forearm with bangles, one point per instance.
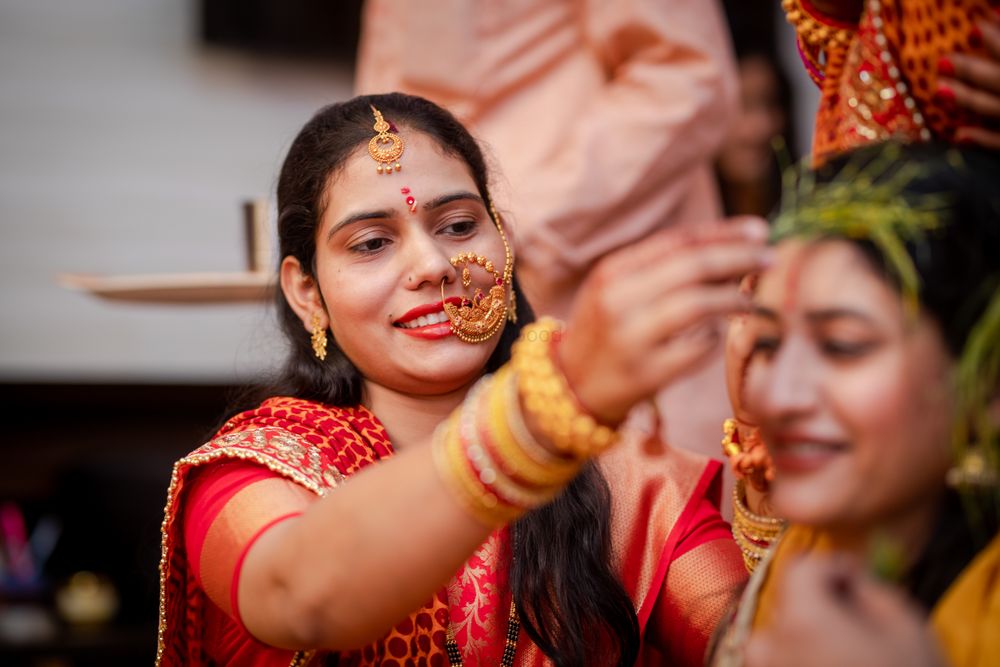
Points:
(520, 436)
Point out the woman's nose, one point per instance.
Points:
(427, 262)
(783, 388)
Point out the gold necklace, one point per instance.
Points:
(509, 649)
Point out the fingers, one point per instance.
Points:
(990, 31)
(981, 100)
(828, 612)
(715, 263)
(978, 135)
(973, 82)
(671, 316)
(680, 356)
(658, 247)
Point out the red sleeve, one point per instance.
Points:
(212, 488)
(226, 509)
(706, 523)
(705, 576)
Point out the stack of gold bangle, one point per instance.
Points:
(548, 398)
(485, 451)
(754, 534)
(813, 28)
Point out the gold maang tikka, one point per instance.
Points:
(479, 318)
(386, 156)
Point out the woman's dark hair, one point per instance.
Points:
(958, 263)
(571, 603)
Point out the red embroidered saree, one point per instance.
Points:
(672, 550)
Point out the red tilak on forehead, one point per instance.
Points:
(410, 201)
(792, 281)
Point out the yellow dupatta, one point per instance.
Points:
(966, 619)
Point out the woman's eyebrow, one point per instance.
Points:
(823, 315)
(358, 217)
(454, 196)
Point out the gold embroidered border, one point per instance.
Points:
(274, 448)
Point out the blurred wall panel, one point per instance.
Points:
(127, 146)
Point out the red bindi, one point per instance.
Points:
(410, 201)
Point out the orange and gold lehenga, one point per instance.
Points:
(671, 548)
(878, 75)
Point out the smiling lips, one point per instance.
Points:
(802, 454)
(427, 321)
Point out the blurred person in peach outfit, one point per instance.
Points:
(606, 117)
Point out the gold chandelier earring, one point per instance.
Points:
(318, 337)
(478, 319)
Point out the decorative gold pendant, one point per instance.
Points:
(387, 157)
(478, 319)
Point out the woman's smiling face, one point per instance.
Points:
(853, 397)
(383, 248)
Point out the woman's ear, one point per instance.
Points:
(302, 293)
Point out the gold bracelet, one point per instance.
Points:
(515, 458)
(548, 398)
(814, 30)
(511, 407)
(761, 528)
(752, 553)
(754, 534)
(455, 470)
(490, 473)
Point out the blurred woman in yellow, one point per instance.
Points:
(874, 377)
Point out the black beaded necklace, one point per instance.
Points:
(509, 649)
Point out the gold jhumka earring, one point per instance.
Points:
(386, 156)
(481, 317)
(318, 337)
(972, 471)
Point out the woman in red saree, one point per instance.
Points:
(422, 486)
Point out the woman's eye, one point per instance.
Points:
(765, 346)
(460, 228)
(845, 349)
(370, 245)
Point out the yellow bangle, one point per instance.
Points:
(454, 468)
(763, 528)
(516, 457)
(754, 534)
(491, 473)
(548, 398)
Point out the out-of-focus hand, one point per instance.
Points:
(829, 614)
(651, 312)
(973, 82)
